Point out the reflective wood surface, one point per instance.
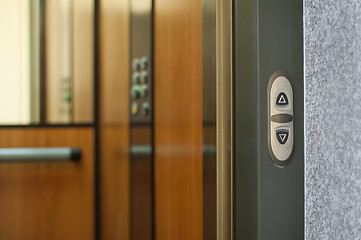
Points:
(114, 120)
(178, 119)
(42, 201)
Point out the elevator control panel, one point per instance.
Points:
(139, 90)
(141, 125)
(141, 63)
(280, 118)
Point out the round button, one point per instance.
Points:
(67, 96)
(144, 63)
(144, 93)
(136, 64)
(136, 91)
(136, 78)
(135, 108)
(145, 109)
(144, 77)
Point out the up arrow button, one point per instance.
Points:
(282, 99)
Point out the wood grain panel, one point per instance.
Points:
(178, 119)
(114, 122)
(42, 201)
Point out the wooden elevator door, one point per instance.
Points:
(178, 119)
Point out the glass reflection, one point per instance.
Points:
(38, 65)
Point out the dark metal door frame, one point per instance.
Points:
(266, 202)
(269, 200)
(217, 119)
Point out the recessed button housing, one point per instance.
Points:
(136, 78)
(144, 77)
(145, 109)
(135, 108)
(136, 64)
(144, 92)
(136, 91)
(144, 63)
(280, 118)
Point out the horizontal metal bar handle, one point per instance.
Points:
(39, 154)
(141, 151)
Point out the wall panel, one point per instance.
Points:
(332, 119)
(114, 122)
(178, 119)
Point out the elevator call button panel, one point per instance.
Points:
(141, 80)
(140, 94)
(280, 119)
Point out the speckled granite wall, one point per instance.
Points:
(333, 119)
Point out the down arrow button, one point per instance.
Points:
(282, 136)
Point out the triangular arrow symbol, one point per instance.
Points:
(283, 137)
(282, 99)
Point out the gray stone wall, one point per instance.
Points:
(332, 119)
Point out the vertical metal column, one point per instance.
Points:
(37, 61)
(217, 119)
(209, 119)
(224, 120)
(141, 120)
